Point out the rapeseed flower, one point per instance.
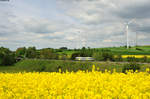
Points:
(75, 85)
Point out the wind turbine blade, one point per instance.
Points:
(133, 20)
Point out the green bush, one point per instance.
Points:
(98, 56)
(108, 56)
(131, 66)
(74, 55)
(103, 56)
(119, 58)
(64, 57)
(139, 49)
(6, 57)
(144, 59)
(31, 52)
(132, 59)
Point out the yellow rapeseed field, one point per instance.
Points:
(79, 85)
(136, 56)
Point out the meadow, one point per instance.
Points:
(37, 65)
(134, 50)
(138, 50)
(75, 85)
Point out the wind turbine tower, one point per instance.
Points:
(127, 29)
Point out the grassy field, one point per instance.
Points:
(67, 52)
(139, 50)
(55, 65)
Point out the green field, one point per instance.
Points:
(139, 50)
(55, 65)
(44, 65)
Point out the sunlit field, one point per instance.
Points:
(136, 56)
(79, 85)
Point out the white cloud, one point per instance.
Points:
(95, 23)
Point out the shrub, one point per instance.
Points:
(98, 56)
(119, 58)
(6, 57)
(48, 53)
(108, 56)
(131, 59)
(131, 66)
(20, 52)
(103, 56)
(63, 48)
(74, 55)
(64, 57)
(31, 52)
(139, 49)
(144, 59)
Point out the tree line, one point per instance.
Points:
(8, 57)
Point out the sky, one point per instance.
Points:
(73, 23)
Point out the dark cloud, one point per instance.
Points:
(138, 11)
(145, 29)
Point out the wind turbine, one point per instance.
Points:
(127, 29)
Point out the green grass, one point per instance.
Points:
(145, 50)
(131, 51)
(67, 52)
(53, 66)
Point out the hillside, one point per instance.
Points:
(139, 50)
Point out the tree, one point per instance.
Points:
(20, 52)
(64, 56)
(98, 56)
(119, 58)
(63, 48)
(6, 56)
(74, 55)
(108, 56)
(83, 48)
(31, 52)
(48, 53)
(8, 59)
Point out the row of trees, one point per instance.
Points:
(8, 57)
(32, 52)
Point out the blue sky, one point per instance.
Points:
(73, 23)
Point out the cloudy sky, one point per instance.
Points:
(73, 23)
